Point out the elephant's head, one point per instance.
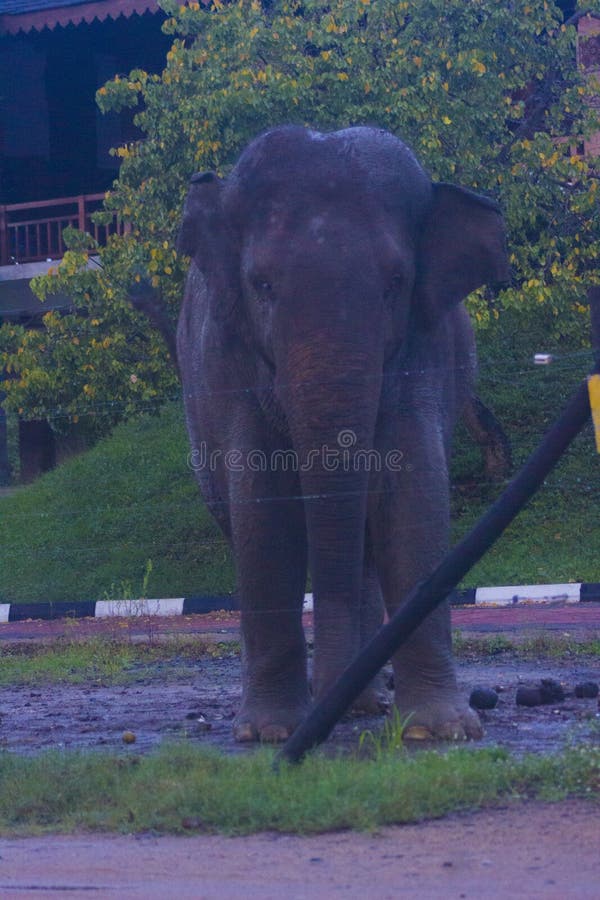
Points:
(328, 250)
(327, 218)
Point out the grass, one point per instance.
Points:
(555, 538)
(91, 525)
(104, 661)
(90, 528)
(75, 663)
(530, 646)
(183, 789)
(111, 661)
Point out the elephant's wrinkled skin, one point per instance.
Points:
(322, 316)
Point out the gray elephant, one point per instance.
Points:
(325, 356)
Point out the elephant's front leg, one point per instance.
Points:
(410, 524)
(425, 689)
(269, 545)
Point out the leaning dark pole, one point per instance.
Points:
(427, 595)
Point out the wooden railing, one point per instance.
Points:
(30, 232)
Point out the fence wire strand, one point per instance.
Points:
(541, 387)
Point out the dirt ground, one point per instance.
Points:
(550, 852)
(178, 700)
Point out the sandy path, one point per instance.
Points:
(549, 851)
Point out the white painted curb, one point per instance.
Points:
(168, 607)
(506, 595)
(530, 593)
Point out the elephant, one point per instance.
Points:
(325, 355)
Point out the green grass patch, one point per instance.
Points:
(75, 663)
(530, 646)
(104, 661)
(555, 538)
(183, 788)
(87, 529)
(107, 661)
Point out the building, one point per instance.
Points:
(55, 163)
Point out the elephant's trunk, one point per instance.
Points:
(331, 399)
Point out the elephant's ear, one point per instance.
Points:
(206, 237)
(462, 247)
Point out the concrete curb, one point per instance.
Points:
(511, 595)
(508, 595)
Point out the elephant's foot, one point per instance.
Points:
(255, 722)
(442, 718)
(375, 700)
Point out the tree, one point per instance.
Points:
(488, 95)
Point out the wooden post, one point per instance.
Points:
(3, 237)
(81, 212)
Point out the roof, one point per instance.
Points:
(17, 7)
(35, 15)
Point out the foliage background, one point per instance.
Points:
(488, 95)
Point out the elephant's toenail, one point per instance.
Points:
(418, 733)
